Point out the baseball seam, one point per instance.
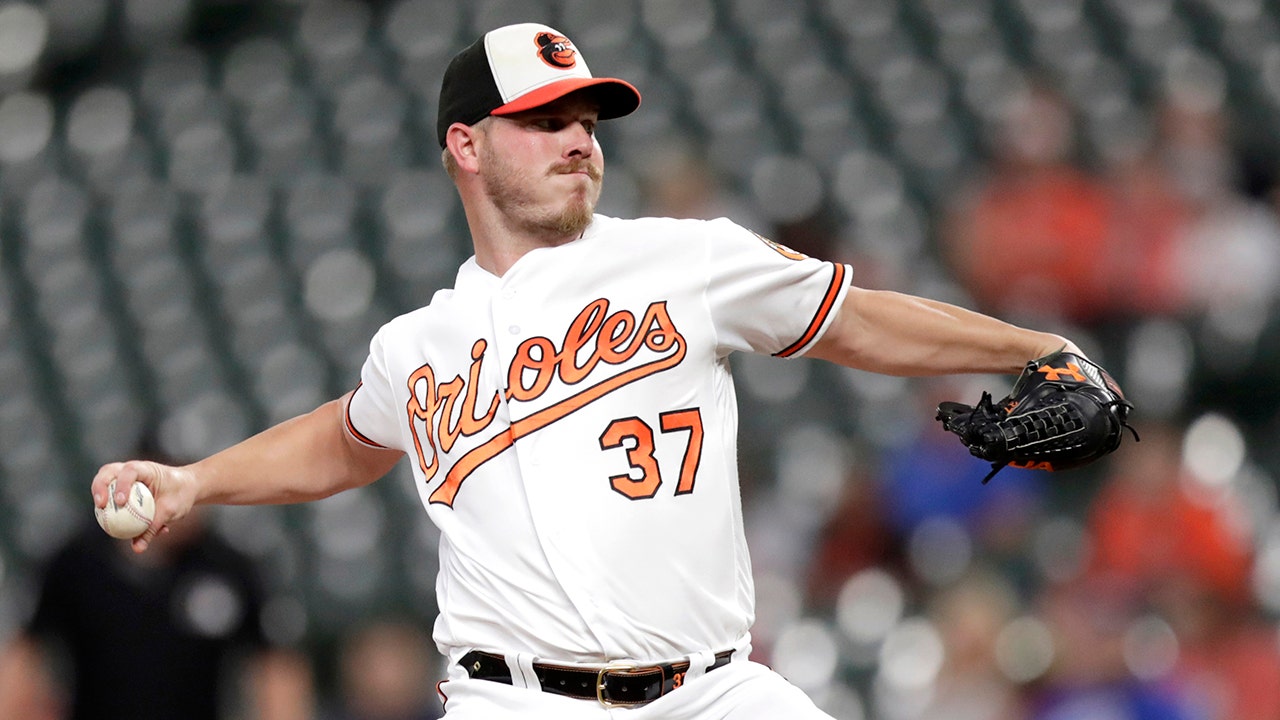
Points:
(137, 514)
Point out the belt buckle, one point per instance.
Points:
(600, 679)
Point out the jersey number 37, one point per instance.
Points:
(636, 437)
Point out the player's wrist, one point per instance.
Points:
(1053, 344)
(195, 484)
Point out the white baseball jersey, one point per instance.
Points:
(572, 427)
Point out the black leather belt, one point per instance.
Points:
(613, 684)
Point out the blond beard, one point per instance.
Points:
(511, 190)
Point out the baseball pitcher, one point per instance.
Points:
(569, 414)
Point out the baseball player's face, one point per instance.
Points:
(543, 168)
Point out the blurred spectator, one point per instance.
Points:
(26, 689)
(1153, 524)
(1091, 677)
(1232, 248)
(1186, 547)
(388, 672)
(929, 476)
(1231, 260)
(970, 616)
(854, 538)
(175, 633)
(1151, 217)
(676, 183)
(166, 635)
(933, 476)
(1026, 239)
(1228, 652)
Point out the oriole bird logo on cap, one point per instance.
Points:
(556, 50)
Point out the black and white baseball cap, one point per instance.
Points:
(520, 67)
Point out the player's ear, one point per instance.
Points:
(460, 140)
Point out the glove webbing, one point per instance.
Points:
(1041, 424)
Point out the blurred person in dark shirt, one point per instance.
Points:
(176, 634)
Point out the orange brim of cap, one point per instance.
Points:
(617, 97)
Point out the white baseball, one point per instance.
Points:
(130, 520)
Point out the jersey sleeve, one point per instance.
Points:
(767, 298)
(371, 414)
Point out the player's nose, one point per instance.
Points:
(580, 141)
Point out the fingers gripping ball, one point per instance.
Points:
(130, 520)
(1064, 411)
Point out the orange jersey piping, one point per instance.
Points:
(820, 317)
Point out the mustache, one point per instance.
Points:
(574, 166)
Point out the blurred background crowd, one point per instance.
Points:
(208, 206)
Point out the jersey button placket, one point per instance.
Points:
(507, 313)
(505, 322)
(508, 300)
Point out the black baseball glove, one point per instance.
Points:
(1064, 411)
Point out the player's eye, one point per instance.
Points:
(553, 124)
